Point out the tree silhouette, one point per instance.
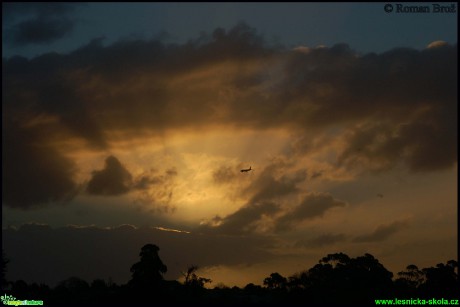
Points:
(73, 290)
(275, 281)
(409, 281)
(336, 260)
(193, 280)
(338, 278)
(335, 279)
(148, 271)
(371, 276)
(99, 291)
(442, 280)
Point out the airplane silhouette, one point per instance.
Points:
(246, 170)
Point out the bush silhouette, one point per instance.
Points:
(194, 281)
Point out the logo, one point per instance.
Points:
(409, 8)
(12, 301)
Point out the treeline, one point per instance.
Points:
(336, 279)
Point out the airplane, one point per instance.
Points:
(246, 170)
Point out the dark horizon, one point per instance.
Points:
(336, 278)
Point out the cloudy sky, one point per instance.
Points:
(126, 124)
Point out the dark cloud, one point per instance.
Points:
(316, 175)
(298, 90)
(39, 31)
(269, 206)
(244, 220)
(148, 179)
(425, 144)
(144, 182)
(382, 232)
(322, 240)
(171, 172)
(269, 187)
(34, 173)
(389, 109)
(224, 174)
(37, 23)
(37, 89)
(117, 249)
(113, 179)
(313, 205)
(400, 104)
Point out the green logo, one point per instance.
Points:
(12, 301)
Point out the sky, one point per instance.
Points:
(128, 123)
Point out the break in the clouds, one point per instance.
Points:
(382, 232)
(397, 108)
